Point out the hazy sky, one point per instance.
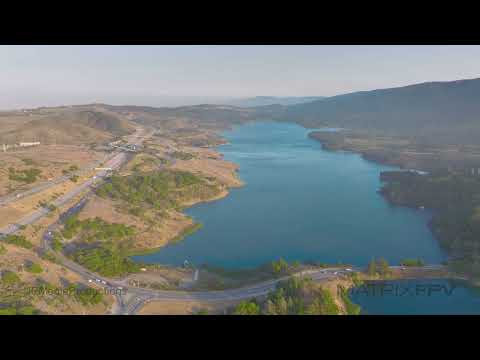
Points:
(151, 75)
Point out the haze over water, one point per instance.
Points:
(300, 203)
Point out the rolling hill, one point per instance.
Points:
(273, 100)
(64, 125)
(447, 112)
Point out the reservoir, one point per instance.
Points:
(302, 203)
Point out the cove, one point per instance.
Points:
(302, 203)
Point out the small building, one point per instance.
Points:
(27, 144)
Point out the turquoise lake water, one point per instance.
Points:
(301, 203)
(417, 297)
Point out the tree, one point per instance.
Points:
(382, 266)
(247, 308)
(270, 308)
(280, 266)
(10, 278)
(34, 268)
(282, 306)
(372, 268)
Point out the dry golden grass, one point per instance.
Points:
(185, 307)
(15, 259)
(50, 159)
(147, 236)
(13, 212)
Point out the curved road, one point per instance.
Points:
(140, 296)
(114, 162)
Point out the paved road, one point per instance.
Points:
(143, 296)
(134, 139)
(140, 296)
(7, 199)
(114, 162)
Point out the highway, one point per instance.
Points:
(143, 296)
(7, 199)
(114, 162)
(140, 296)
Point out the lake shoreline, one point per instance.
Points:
(247, 156)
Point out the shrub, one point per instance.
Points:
(10, 278)
(34, 268)
(18, 240)
(412, 262)
(106, 262)
(28, 176)
(57, 244)
(279, 267)
(247, 308)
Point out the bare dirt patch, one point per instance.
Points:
(185, 307)
(51, 160)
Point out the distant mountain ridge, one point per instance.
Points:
(446, 110)
(435, 112)
(273, 100)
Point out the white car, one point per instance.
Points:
(90, 280)
(104, 282)
(335, 273)
(348, 269)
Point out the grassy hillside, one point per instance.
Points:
(64, 125)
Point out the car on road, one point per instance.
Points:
(90, 280)
(348, 269)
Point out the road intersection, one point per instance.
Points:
(140, 296)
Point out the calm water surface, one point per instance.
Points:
(300, 203)
(417, 297)
(303, 203)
